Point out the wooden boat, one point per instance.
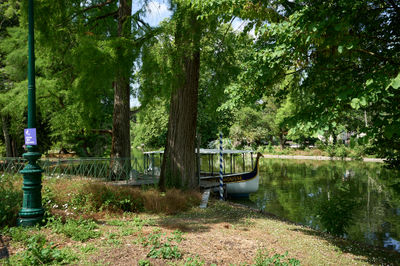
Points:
(236, 184)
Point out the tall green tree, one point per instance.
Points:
(13, 53)
(85, 55)
(179, 161)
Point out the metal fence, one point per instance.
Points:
(101, 168)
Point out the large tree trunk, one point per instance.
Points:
(7, 139)
(179, 161)
(121, 144)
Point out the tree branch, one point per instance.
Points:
(93, 7)
(378, 56)
(396, 7)
(111, 14)
(103, 131)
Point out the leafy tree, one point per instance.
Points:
(150, 129)
(344, 59)
(85, 54)
(179, 161)
(8, 18)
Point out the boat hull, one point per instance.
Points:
(244, 188)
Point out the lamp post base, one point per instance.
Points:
(30, 221)
(32, 212)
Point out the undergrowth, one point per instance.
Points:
(10, 199)
(264, 258)
(83, 197)
(78, 230)
(39, 251)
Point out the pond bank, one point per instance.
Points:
(222, 234)
(319, 158)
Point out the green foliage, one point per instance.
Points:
(320, 45)
(162, 248)
(18, 234)
(358, 151)
(248, 128)
(263, 258)
(10, 200)
(150, 129)
(78, 230)
(89, 248)
(144, 263)
(165, 251)
(226, 144)
(194, 261)
(40, 252)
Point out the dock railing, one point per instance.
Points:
(98, 168)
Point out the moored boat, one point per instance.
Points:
(236, 184)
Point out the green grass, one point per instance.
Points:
(95, 236)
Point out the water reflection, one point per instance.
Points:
(356, 200)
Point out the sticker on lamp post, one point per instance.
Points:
(30, 136)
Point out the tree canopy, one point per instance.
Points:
(262, 72)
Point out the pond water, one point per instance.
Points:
(356, 200)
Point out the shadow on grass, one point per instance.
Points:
(372, 254)
(3, 249)
(200, 220)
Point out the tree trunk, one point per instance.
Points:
(179, 161)
(7, 139)
(14, 150)
(282, 140)
(121, 144)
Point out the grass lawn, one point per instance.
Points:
(222, 234)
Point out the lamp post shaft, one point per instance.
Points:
(31, 69)
(32, 211)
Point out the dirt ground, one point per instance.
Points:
(222, 234)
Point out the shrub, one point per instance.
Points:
(85, 197)
(357, 152)
(113, 198)
(171, 202)
(341, 151)
(330, 149)
(10, 200)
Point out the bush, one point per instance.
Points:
(80, 197)
(358, 152)
(171, 202)
(341, 151)
(112, 198)
(10, 200)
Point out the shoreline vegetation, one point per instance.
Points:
(321, 158)
(92, 223)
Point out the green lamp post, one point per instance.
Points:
(32, 211)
